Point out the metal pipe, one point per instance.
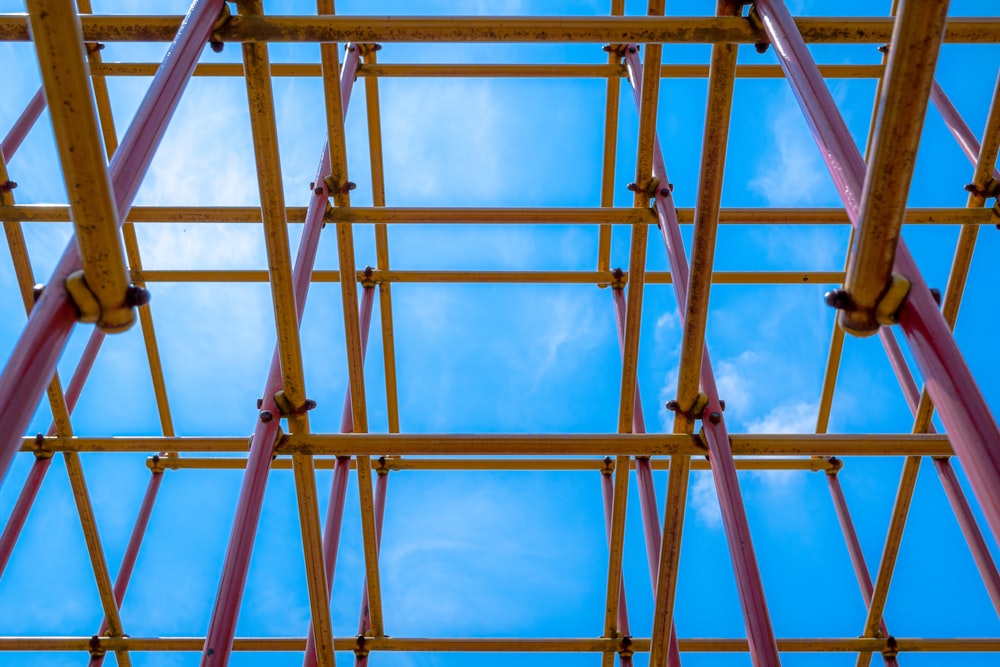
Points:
(482, 216)
(101, 293)
(963, 410)
(23, 125)
(338, 489)
(222, 628)
(33, 359)
(514, 29)
(909, 77)
(755, 612)
(647, 491)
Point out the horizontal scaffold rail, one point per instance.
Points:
(520, 29)
(575, 444)
(492, 216)
(503, 645)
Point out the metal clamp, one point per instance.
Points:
(287, 409)
(694, 411)
(215, 39)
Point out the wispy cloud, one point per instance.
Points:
(791, 173)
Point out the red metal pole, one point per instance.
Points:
(957, 126)
(15, 524)
(971, 428)
(341, 472)
(365, 621)
(222, 627)
(608, 493)
(33, 360)
(647, 490)
(760, 633)
(946, 473)
(23, 125)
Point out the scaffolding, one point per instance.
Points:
(100, 280)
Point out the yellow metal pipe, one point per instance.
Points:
(506, 645)
(372, 108)
(916, 41)
(596, 29)
(582, 444)
(272, 205)
(339, 186)
(101, 292)
(44, 213)
(105, 115)
(396, 463)
(264, 129)
(718, 108)
(464, 70)
(490, 277)
(633, 319)
(92, 538)
(611, 110)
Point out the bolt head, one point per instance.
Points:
(137, 296)
(217, 46)
(715, 417)
(673, 405)
(266, 416)
(837, 298)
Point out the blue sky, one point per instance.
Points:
(498, 553)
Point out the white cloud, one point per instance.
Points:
(704, 499)
(793, 173)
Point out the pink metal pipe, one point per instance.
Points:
(854, 550)
(338, 489)
(647, 490)
(365, 621)
(222, 627)
(760, 633)
(949, 481)
(971, 428)
(608, 493)
(33, 360)
(957, 126)
(19, 515)
(23, 125)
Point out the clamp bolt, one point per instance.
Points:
(266, 416)
(715, 417)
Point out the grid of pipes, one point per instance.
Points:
(100, 203)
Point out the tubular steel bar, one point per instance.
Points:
(33, 360)
(644, 480)
(642, 187)
(724, 471)
(909, 76)
(593, 29)
(963, 410)
(222, 629)
(23, 125)
(612, 107)
(338, 489)
(509, 645)
(553, 216)
(470, 70)
(515, 444)
(101, 293)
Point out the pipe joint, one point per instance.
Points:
(382, 466)
(368, 279)
(109, 317)
(619, 279)
(361, 650)
(40, 452)
(618, 50)
(286, 408)
(753, 17)
(692, 412)
(625, 649)
(891, 647)
(650, 187)
(863, 322)
(991, 188)
(609, 466)
(94, 647)
(368, 49)
(215, 39)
